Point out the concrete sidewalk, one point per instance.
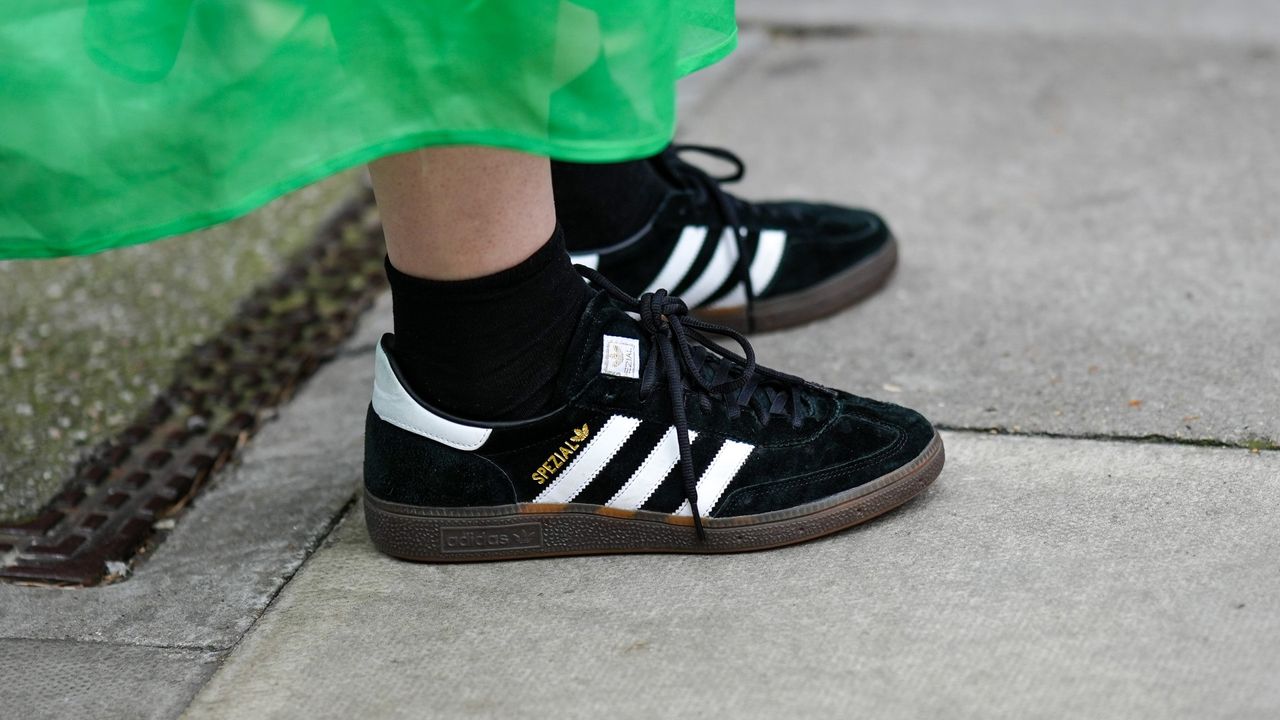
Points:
(1087, 254)
(1086, 300)
(1038, 578)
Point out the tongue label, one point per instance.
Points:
(621, 357)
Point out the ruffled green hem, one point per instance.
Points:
(46, 217)
(18, 249)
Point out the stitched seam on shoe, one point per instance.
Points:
(607, 459)
(515, 496)
(570, 413)
(825, 474)
(640, 471)
(411, 427)
(803, 440)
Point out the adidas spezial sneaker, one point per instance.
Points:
(750, 266)
(665, 443)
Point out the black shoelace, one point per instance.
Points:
(734, 380)
(707, 186)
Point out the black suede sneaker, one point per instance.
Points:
(753, 266)
(665, 443)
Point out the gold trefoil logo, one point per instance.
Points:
(548, 469)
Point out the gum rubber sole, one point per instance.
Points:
(510, 532)
(826, 298)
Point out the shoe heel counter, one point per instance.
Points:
(402, 467)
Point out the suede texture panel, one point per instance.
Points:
(868, 440)
(522, 455)
(822, 241)
(630, 456)
(841, 442)
(670, 494)
(402, 467)
(590, 390)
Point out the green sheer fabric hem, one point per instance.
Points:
(114, 138)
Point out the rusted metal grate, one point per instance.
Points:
(108, 513)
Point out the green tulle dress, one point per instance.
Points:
(122, 121)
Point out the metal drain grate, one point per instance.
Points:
(109, 511)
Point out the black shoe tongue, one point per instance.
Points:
(607, 341)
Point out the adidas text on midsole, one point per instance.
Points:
(541, 530)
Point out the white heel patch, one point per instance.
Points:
(394, 404)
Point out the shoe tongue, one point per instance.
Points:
(607, 341)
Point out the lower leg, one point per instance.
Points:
(452, 213)
(484, 297)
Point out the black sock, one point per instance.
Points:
(489, 348)
(601, 204)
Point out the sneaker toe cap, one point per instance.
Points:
(868, 440)
(822, 241)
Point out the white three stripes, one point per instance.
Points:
(584, 468)
(677, 265)
(727, 462)
(716, 272)
(768, 257)
(633, 494)
(764, 265)
(651, 472)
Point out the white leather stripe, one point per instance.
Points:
(681, 259)
(590, 461)
(764, 266)
(592, 261)
(394, 404)
(727, 462)
(716, 272)
(768, 257)
(734, 298)
(651, 472)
